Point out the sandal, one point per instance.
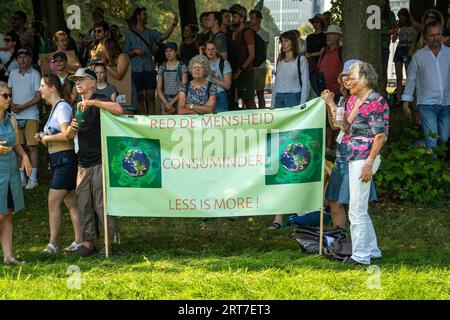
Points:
(14, 262)
(275, 226)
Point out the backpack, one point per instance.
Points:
(308, 238)
(340, 249)
(260, 50)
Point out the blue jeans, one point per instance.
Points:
(222, 102)
(435, 120)
(285, 100)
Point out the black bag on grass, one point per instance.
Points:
(340, 249)
(308, 238)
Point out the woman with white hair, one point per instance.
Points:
(198, 96)
(368, 126)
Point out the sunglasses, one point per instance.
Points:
(98, 31)
(6, 95)
(58, 60)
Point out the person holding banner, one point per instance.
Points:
(199, 95)
(86, 126)
(338, 191)
(292, 86)
(368, 126)
(11, 193)
(63, 162)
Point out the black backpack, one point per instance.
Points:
(308, 238)
(260, 50)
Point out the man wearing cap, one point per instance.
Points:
(141, 45)
(86, 127)
(316, 42)
(60, 60)
(330, 64)
(244, 73)
(25, 83)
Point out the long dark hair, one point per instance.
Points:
(290, 35)
(404, 12)
(113, 49)
(52, 80)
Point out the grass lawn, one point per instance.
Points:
(222, 259)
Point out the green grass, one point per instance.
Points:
(222, 259)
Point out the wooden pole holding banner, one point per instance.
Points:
(105, 214)
(321, 232)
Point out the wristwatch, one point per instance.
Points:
(191, 106)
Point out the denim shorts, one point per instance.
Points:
(222, 102)
(338, 188)
(144, 80)
(285, 100)
(64, 166)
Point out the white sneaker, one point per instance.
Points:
(50, 249)
(24, 182)
(31, 184)
(73, 247)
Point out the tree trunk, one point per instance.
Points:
(37, 10)
(360, 42)
(188, 13)
(53, 14)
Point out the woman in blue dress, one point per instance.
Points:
(11, 193)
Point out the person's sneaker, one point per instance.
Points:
(85, 251)
(31, 184)
(73, 247)
(50, 249)
(24, 182)
(14, 262)
(350, 261)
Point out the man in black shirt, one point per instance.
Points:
(86, 127)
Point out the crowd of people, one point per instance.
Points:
(219, 66)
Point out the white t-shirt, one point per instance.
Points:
(215, 67)
(61, 114)
(24, 88)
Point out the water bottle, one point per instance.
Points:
(340, 113)
(79, 115)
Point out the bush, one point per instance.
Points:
(411, 173)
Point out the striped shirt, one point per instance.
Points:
(172, 78)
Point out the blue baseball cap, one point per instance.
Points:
(348, 64)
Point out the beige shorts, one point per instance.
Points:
(260, 78)
(26, 134)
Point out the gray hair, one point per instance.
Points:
(202, 60)
(365, 73)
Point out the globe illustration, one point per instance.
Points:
(296, 157)
(135, 163)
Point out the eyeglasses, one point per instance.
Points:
(6, 95)
(7, 39)
(58, 60)
(198, 67)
